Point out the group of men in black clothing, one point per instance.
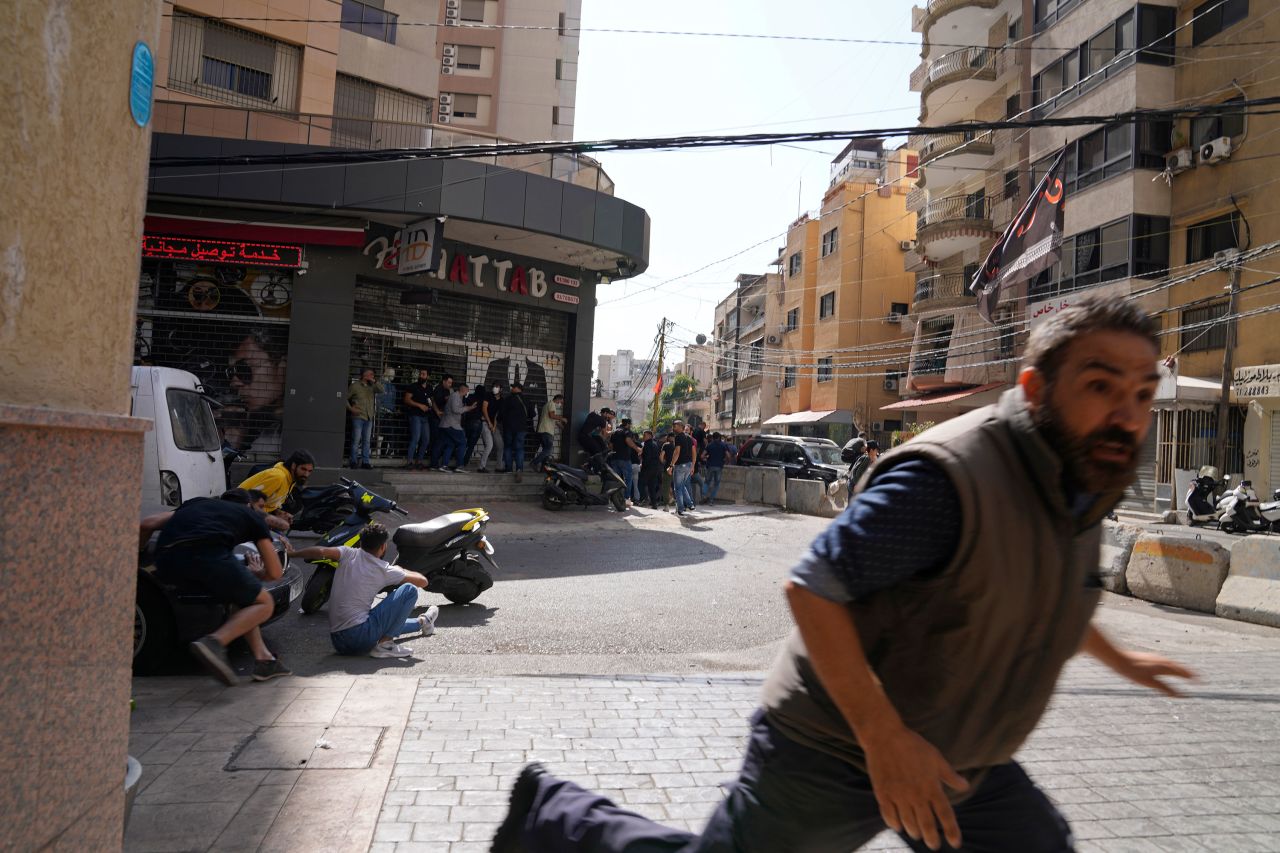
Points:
(692, 458)
(450, 424)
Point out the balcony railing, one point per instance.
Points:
(961, 64)
(937, 287)
(917, 198)
(928, 363)
(230, 122)
(954, 208)
(939, 145)
(752, 325)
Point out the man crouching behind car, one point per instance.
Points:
(195, 551)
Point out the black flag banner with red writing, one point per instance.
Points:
(1031, 243)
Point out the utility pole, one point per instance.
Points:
(1228, 354)
(657, 396)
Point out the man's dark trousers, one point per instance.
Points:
(651, 485)
(789, 798)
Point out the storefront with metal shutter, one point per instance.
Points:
(399, 330)
(228, 324)
(1259, 386)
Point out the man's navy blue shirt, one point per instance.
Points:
(716, 452)
(905, 524)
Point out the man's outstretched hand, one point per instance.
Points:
(907, 776)
(1141, 668)
(1148, 670)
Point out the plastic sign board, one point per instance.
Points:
(141, 78)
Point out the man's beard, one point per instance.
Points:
(1080, 468)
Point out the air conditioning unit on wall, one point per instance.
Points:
(452, 4)
(907, 245)
(890, 384)
(894, 317)
(446, 69)
(446, 97)
(448, 60)
(450, 50)
(773, 339)
(1179, 161)
(1215, 150)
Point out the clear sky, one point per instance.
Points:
(707, 205)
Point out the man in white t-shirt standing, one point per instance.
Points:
(354, 628)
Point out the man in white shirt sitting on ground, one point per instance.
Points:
(354, 628)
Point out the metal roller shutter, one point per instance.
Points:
(1275, 454)
(228, 325)
(1141, 496)
(398, 331)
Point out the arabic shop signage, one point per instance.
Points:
(1254, 382)
(221, 251)
(456, 265)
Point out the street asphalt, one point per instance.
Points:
(593, 591)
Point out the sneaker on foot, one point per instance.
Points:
(482, 470)
(366, 466)
(428, 620)
(389, 650)
(523, 793)
(213, 656)
(265, 670)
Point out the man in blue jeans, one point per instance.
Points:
(354, 628)
(718, 452)
(513, 415)
(362, 403)
(681, 468)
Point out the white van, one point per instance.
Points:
(183, 455)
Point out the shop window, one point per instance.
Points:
(793, 319)
(1205, 239)
(789, 376)
(827, 305)
(793, 265)
(829, 241)
(824, 370)
(368, 18)
(1208, 128)
(1200, 338)
(1214, 16)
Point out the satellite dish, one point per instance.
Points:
(701, 339)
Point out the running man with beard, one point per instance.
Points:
(934, 618)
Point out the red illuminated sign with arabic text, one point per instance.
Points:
(221, 251)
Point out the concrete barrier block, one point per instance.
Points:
(1178, 571)
(773, 487)
(805, 496)
(753, 486)
(1251, 592)
(1117, 547)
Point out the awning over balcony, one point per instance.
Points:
(836, 416)
(990, 392)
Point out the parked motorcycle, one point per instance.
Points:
(1202, 497)
(1270, 511)
(565, 484)
(446, 549)
(1240, 511)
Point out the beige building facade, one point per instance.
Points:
(369, 73)
(745, 389)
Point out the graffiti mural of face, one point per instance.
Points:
(255, 377)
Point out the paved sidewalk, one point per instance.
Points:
(1132, 771)
(393, 762)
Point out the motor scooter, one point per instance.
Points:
(319, 508)
(1239, 509)
(1270, 511)
(1202, 497)
(565, 484)
(447, 549)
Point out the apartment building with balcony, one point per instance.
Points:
(699, 364)
(969, 188)
(629, 381)
(277, 283)
(744, 388)
(845, 299)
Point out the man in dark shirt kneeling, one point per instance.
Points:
(195, 551)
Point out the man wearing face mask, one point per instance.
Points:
(923, 657)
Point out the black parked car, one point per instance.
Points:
(166, 618)
(799, 458)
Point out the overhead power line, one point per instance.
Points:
(671, 143)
